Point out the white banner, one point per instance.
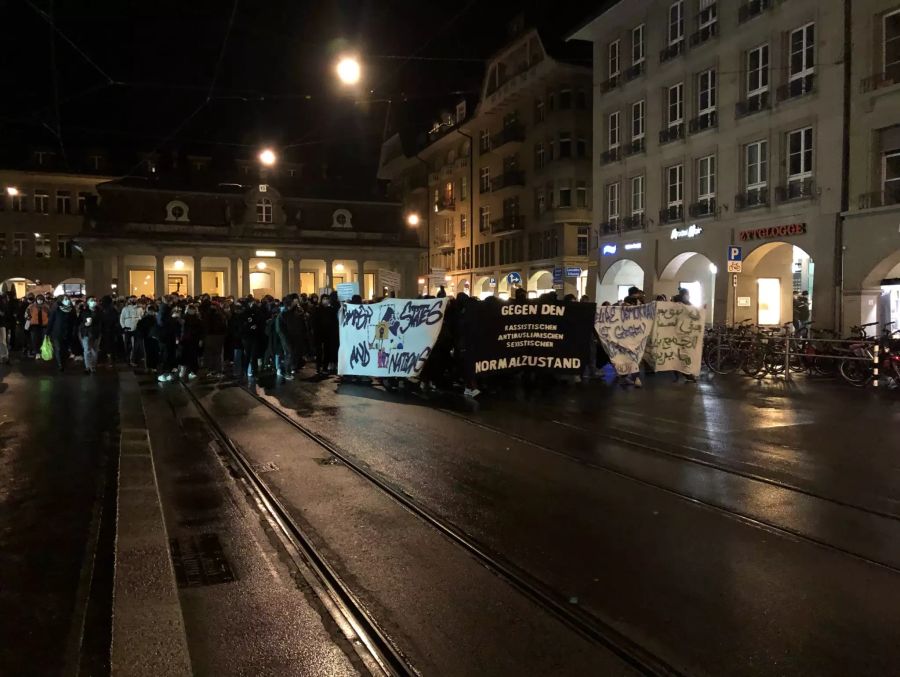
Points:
(624, 332)
(676, 343)
(391, 338)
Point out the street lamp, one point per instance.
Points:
(348, 70)
(12, 191)
(267, 157)
(412, 219)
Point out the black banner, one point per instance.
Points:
(534, 335)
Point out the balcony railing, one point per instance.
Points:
(752, 198)
(703, 122)
(752, 104)
(633, 222)
(508, 224)
(797, 87)
(636, 146)
(611, 155)
(884, 198)
(703, 208)
(444, 241)
(699, 37)
(671, 133)
(444, 204)
(512, 177)
(671, 51)
(799, 189)
(752, 8)
(484, 187)
(508, 134)
(609, 85)
(879, 80)
(635, 71)
(611, 227)
(671, 214)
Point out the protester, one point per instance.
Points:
(7, 322)
(89, 332)
(61, 330)
(38, 317)
(128, 319)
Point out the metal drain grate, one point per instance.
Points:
(200, 561)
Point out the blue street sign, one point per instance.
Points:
(557, 275)
(573, 272)
(735, 253)
(514, 278)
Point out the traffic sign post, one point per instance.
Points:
(735, 258)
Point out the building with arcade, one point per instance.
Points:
(719, 124)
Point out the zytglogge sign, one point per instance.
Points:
(772, 232)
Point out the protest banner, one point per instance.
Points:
(390, 338)
(624, 332)
(347, 290)
(537, 335)
(676, 342)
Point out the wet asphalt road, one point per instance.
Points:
(728, 528)
(58, 447)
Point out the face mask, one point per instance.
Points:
(40, 302)
(92, 304)
(67, 302)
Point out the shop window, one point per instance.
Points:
(768, 301)
(142, 282)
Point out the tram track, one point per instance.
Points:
(371, 643)
(750, 520)
(586, 624)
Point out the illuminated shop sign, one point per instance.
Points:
(631, 246)
(692, 230)
(773, 232)
(609, 249)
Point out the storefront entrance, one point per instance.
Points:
(775, 286)
(694, 272)
(618, 279)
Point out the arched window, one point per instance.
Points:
(264, 210)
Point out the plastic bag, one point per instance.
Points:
(46, 349)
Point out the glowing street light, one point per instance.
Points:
(267, 157)
(412, 219)
(12, 191)
(349, 71)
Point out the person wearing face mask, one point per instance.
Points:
(38, 317)
(6, 321)
(145, 333)
(128, 319)
(61, 330)
(89, 331)
(190, 340)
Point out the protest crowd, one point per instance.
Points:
(179, 336)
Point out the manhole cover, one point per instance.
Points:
(268, 466)
(199, 561)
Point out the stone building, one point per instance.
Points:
(502, 195)
(720, 124)
(156, 236)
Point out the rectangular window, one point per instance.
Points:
(675, 109)
(565, 99)
(484, 141)
(706, 92)
(799, 144)
(581, 195)
(565, 197)
(41, 246)
(675, 186)
(41, 202)
(613, 136)
(540, 201)
(637, 195)
(584, 241)
(581, 147)
(757, 71)
(613, 59)
(565, 145)
(464, 188)
(539, 155)
(17, 202)
(612, 202)
(580, 99)
(485, 179)
(463, 225)
(264, 211)
(637, 120)
(676, 22)
(756, 165)
(890, 176)
(63, 202)
(64, 248)
(802, 56)
(539, 111)
(82, 202)
(706, 178)
(484, 218)
(637, 45)
(707, 16)
(891, 25)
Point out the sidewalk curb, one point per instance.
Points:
(148, 633)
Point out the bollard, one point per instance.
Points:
(787, 358)
(875, 365)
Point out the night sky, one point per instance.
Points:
(155, 64)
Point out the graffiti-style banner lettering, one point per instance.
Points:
(676, 342)
(392, 338)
